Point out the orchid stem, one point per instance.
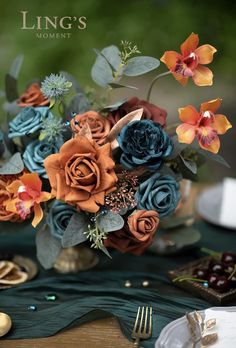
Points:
(153, 83)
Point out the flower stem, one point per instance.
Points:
(153, 83)
(211, 252)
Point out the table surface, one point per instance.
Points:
(103, 333)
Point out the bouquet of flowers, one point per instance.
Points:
(105, 174)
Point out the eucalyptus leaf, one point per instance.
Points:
(140, 65)
(48, 247)
(74, 233)
(16, 66)
(114, 106)
(118, 85)
(213, 157)
(78, 105)
(13, 166)
(107, 61)
(73, 80)
(11, 88)
(110, 222)
(104, 249)
(191, 165)
(175, 221)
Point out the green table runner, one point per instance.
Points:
(100, 293)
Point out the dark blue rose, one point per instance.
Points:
(36, 152)
(144, 143)
(58, 218)
(28, 121)
(160, 193)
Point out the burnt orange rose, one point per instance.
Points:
(33, 97)
(137, 235)
(99, 125)
(5, 197)
(150, 111)
(82, 173)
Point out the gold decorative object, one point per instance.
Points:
(19, 270)
(5, 324)
(128, 284)
(145, 283)
(198, 330)
(76, 259)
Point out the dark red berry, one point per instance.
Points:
(222, 284)
(212, 278)
(200, 273)
(216, 267)
(229, 267)
(228, 257)
(233, 282)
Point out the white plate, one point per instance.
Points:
(209, 204)
(176, 334)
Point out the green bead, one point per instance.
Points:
(51, 297)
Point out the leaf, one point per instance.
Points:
(13, 166)
(104, 249)
(110, 222)
(106, 62)
(178, 147)
(11, 88)
(210, 323)
(117, 85)
(132, 116)
(78, 105)
(74, 233)
(114, 106)
(16, 66)
(213, 157)
(191, 165)
(209, 339)
(48, 247)
(71, 78)
(140, 65)
(85, 131)
(12, 108)
(174, 221)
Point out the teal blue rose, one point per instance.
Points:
(159, 193)
(144, 143)
(28, 121)
(59, 217)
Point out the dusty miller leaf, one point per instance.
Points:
(74, 233)
(13, 166)
(110, 222)
(140, 65)
(48, 247)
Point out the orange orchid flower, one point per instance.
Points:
(190, 62)
(204, 125)
(27, 190)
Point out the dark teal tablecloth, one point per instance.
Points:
(99, 293)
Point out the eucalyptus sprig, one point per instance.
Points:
(95, 235)
(128, 50)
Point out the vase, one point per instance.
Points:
(76, 259)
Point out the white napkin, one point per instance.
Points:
(225, 328)
(228, 212)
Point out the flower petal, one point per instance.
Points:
(14, 186)
(205, 54)
(180, 78)
(211, 105)
(203, 76)
(186, 133)
(170, 59)
(32, 181)
(44, 197)
(190, 44)
(221, 124)
(38, 215)
(189, 114)
(214, 146)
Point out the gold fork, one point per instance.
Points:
(143, 325)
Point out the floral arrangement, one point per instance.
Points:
(105, 174)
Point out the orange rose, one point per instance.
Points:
(5, 197)
(137, 235)
(99, 125)
(33, 97)
(82, 173)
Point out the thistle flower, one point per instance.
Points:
(52, 130)
(55, 86)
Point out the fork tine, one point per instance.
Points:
(141, 321)
(146, 319)
(150, 322)
(136, 321)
